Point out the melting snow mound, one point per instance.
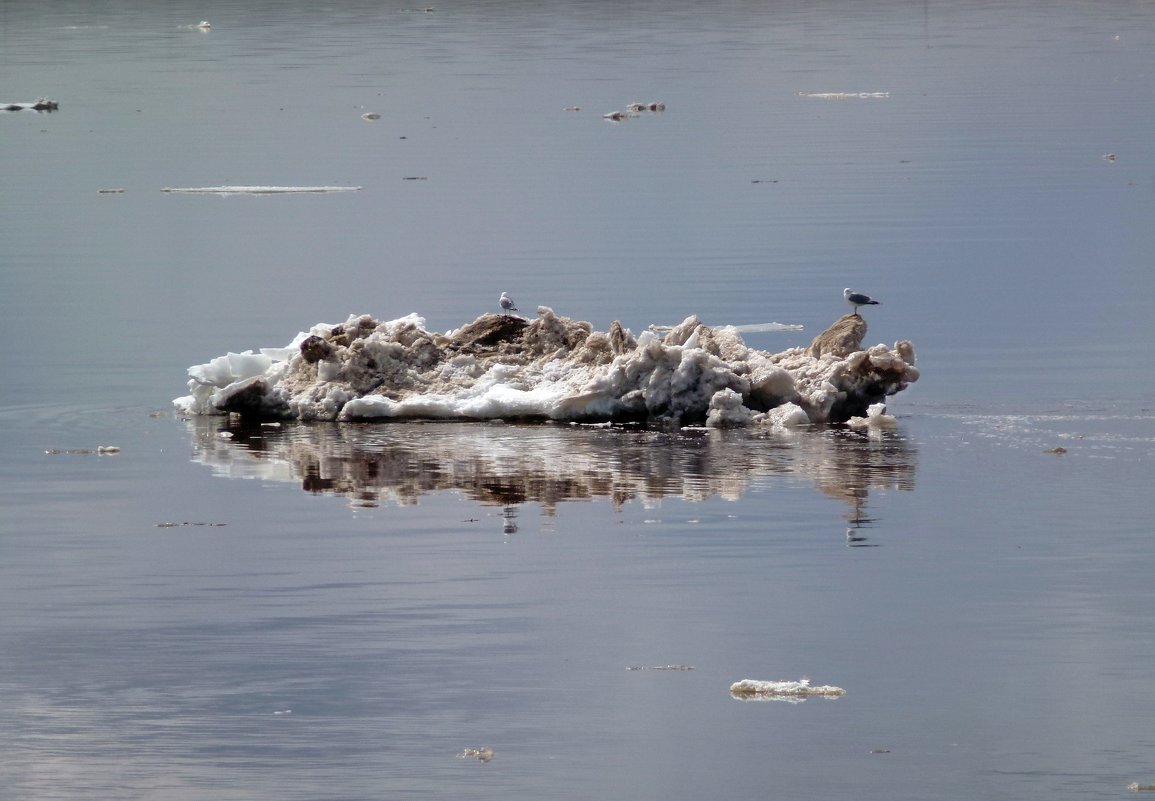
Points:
(550, 368)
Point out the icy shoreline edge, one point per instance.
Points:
(551, 368)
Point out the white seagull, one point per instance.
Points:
(857, 299)
(507, 303)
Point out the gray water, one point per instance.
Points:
(337, 612)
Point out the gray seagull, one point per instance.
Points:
(857, 299)
(507, 303)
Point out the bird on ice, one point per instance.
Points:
(857, 299)
(507, 303)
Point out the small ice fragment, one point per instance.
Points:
(107, 449)
(483, 754)
(256, 190)
(844, 95)
(876, 417)
(788, 415)
(748, 689)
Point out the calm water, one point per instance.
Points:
(323, 612)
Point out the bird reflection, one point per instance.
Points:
(507, 466)
(509, 520)
(856, 492)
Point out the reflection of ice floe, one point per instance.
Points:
(553, 368)
(790, 691)
(504, 465)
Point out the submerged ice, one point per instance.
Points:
(554, 368)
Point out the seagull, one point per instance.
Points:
(857, 299)
(507, 303)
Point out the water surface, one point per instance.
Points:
(312, 612)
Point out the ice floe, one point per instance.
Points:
(790, 691)
(846, 95)
(550, 368)
(39, 104)
(482, 754)
(256, 190)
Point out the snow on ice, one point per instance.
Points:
(551, 368)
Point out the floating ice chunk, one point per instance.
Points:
(876, 418)
(206, 381)
(257, 190)
(727, 411)
(483, 754)
(501, 366)
(788, 415)
(39, 104)
(845, 95)
(794, 691)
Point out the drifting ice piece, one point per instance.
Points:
(551, 368)
(753, 689)
(39, 104)
(257, 190)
